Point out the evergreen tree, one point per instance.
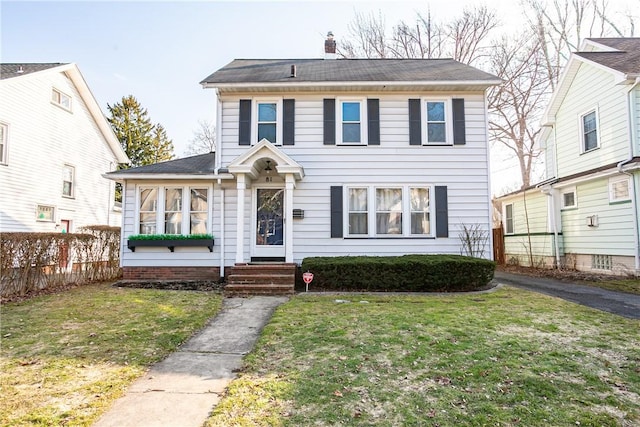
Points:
(144, 142)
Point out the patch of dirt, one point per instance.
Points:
(564, 275)
(38, 292)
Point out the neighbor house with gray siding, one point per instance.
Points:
(321, 157)
(55, 145)
(584, 215)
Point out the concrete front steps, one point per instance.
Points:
(261, 279)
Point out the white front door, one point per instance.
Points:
(268, 223)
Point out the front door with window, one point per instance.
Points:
(268, 220)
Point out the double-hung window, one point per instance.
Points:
(45, 213)
(589, 128)
(619, 189)
(4, 138)
(436, 122)
(173, 210)
(420, 215)
(268, 121)
(358, 211)
(61, 99)
(198, 211)
(148, 210)
(508, 219)
(351, 118)
(389, 210)
(68, 177)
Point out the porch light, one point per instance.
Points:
(268, 168)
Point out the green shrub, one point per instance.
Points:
(408, 273)
(170, 236)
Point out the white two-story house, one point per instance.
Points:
(321, 157)
(585, 214)
(55, 144)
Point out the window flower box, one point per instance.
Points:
(169, 241)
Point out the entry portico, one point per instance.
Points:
(272, 211)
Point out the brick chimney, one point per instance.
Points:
(329, 47)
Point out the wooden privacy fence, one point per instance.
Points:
(498, 245)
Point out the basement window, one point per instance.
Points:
(601, 262)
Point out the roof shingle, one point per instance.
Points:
(15, 70)
(625, 58)
(203, 164)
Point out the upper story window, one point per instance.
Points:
(4, 140)
(569, 199)
(589, 126)
(68, 181)
(173, 210)
(61, 99)
(351, 118)
(508, 219)
(268, 121)
(437, 122)
(619, 189)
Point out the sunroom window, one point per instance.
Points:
(173, 211)
(199, 211)
(148, 208)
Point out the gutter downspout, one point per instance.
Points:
(551, 194)
(218, 132)
(222, 237)
(630, 123)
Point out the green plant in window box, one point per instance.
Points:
(170, 236)
(170, 241)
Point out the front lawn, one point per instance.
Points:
(66, 357)
(503, 358)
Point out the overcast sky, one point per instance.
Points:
(159, 51)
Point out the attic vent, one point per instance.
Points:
(293, 71)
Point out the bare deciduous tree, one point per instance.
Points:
(515, 105)
(204, 139)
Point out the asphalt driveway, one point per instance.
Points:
(620, 303)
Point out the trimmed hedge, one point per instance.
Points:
(408, 273)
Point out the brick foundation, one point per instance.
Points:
(171, 273)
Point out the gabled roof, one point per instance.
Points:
(623, 55)
(618, 56)
(380, 72)
(71, 70)
(202, 164)
(16, 70)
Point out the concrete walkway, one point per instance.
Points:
(620, 303)
(181, 390)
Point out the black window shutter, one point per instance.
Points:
(459, 135)
(373, 117)
(442, 212)
(245, 122)
(288, 121)
(329, 122)
(336, 211)
(415, 125)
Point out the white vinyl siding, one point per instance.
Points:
(391, 164)
(611, 236)
(596, 90)
(44, 137)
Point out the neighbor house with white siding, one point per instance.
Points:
(320, 157)
(584, 215)
(55, 144)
